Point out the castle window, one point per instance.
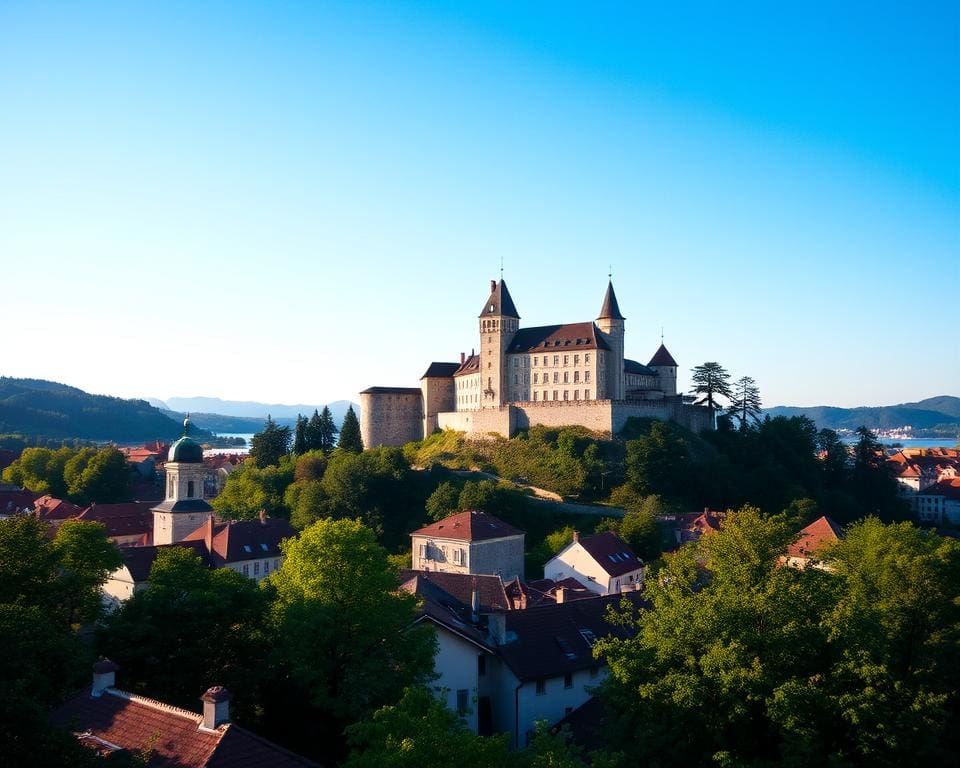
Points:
(534, 362)
(566, 377)
(556, 377)
(556, 359)
(576, 377)
(586, 376)
(586, 359)
(576, 394)
(536, 378)
(586, 394)
(534, 397)
(566, 359)
(576, 358)
(554, 394)
(565, 394)
(516, 362)
(516, 378)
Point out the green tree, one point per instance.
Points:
(659, 463)
(40, 470)
(76, 464)
(640, 529)
(343, 628)
(271, 444)
(300, 443)
(307, 502)
(444, 501)
(194, 627)
(350, 439)
(327, 430)
(710, 380)
(420, 730)
(745, 404)
(252, 488)
(86, 558)
(105, 479)
(835, 458)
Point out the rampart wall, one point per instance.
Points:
(391, 416)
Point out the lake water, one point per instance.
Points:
(234, 448)
(914, 442)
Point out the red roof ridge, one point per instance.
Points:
(160, 706)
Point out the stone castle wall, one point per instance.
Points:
(439, 394)
(393, 416)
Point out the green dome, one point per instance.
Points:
(186, 450)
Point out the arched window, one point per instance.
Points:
(190, 489)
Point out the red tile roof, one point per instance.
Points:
(821, 531)
(612, 553)
(14, 501)
(50, 508)
(470, 365)
(471, 525)
(553, 338)
(126, 519)
(233, 541)
(459, 586)
(170, 735)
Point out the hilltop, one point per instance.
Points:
(49, 409)
(244, 415)
(935, 415)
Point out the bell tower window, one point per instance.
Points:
(190, 489)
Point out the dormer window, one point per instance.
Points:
(492, 309)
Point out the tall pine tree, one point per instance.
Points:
(745, 402)
(300, 436)
(328, 430)
(268, 446)
(350, 439)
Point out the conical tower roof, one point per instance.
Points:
(500, 302)
(662, 357)
(610, 309)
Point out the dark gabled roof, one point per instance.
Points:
(470, 365)
(183, 505)
(551, 640)
(139, 560)
(470, 525)
(234, 541)
(949, 488)
(632, 366)
(662, 357)
(500, 302)
(611, 552)
(440, 370)
(458, 587)
(610, 309)
(51, 508)
(124, 519)
(170, 735)
(391, 391)
(548, 338)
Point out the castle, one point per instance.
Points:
(552, 375)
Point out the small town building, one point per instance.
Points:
(184, 508)
(939, 503)
(806, 551)
(603, 563)
(108, 721)
(128, 524)
(469, 542)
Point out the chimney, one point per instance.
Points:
(263, 517)
(576, 536)
(560, 594)
(475, 605)
(209, 534)
(216, 707)
(493, 286)
(497, 626)
(463, 357)
(104, 676)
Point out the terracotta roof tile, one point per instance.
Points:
(471, 525)
(459, 586)
(555, 338)
(821, 531)
(234, 541)
(948, 488)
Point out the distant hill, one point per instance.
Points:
(252, 409)
(217, 422)
(935, 414)
(45, 408)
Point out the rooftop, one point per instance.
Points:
(821, 531)
(549, 338)
(470, 525)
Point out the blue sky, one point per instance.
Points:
(293, 201)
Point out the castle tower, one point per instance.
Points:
(498, 325)
(611, 322)
(666, 367)
(184, 509)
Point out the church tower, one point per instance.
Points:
(498, 325)
(184, 509)
(611, 323)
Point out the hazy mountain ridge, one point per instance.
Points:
(941, 413)
(50, 409)
(251, 409)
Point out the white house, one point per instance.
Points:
(939, 503)
(469, 542)
(603, 563)
(506, 670)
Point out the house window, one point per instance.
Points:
(463, 701)
(481, 665)
(576, 394)
(256, 568)
(586, 394)
(568, 680)
(541, 687)
(246, 569)
(586, 359)
(566, 359)
(554, 394)
(534, 362)
(576, 359)
(586, 377)
(576, 377)
(566, 394)
(534, 397)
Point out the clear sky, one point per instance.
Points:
(290, 202)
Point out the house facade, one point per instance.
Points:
(471, 542)
(603, 563)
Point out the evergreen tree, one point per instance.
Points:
(350, 439)
(315, 432)
(745, 402)
(300, 445)
(710, 380)
(268, 446)
(327, 430)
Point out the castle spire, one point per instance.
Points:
(500, 302)
(610, 309)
